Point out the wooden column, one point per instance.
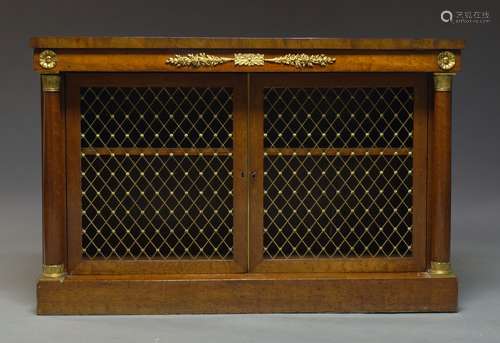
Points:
(440, 202)
(54, 178)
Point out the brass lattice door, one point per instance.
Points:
(155, 173)
(339, 183)
(158, 179)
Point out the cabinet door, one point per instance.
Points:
(339, 172)
(156, 173)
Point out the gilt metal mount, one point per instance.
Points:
(53, 271)
(446, 60)
(443, 81)
(441, 268)
(47, 59)
(51, 82)
(250, 59)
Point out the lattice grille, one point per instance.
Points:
(156, 117)
(338, 117)
(165, 194)
(338, 172)
(337, 206)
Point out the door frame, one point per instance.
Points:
(79, 265)
(416, 262)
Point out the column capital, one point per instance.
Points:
(51, 82)
(442, 81)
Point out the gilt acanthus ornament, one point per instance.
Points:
(249, 59)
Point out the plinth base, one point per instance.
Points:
(247, 293)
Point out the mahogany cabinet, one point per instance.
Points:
(238, 175)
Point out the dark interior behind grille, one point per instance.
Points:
(338, 203)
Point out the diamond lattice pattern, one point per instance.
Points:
(156, 117)
(156, 206)
(333, 204)
(338, 117)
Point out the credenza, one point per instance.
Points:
(245, 175)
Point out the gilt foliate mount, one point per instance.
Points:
(250, 59)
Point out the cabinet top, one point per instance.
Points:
(242, 43)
